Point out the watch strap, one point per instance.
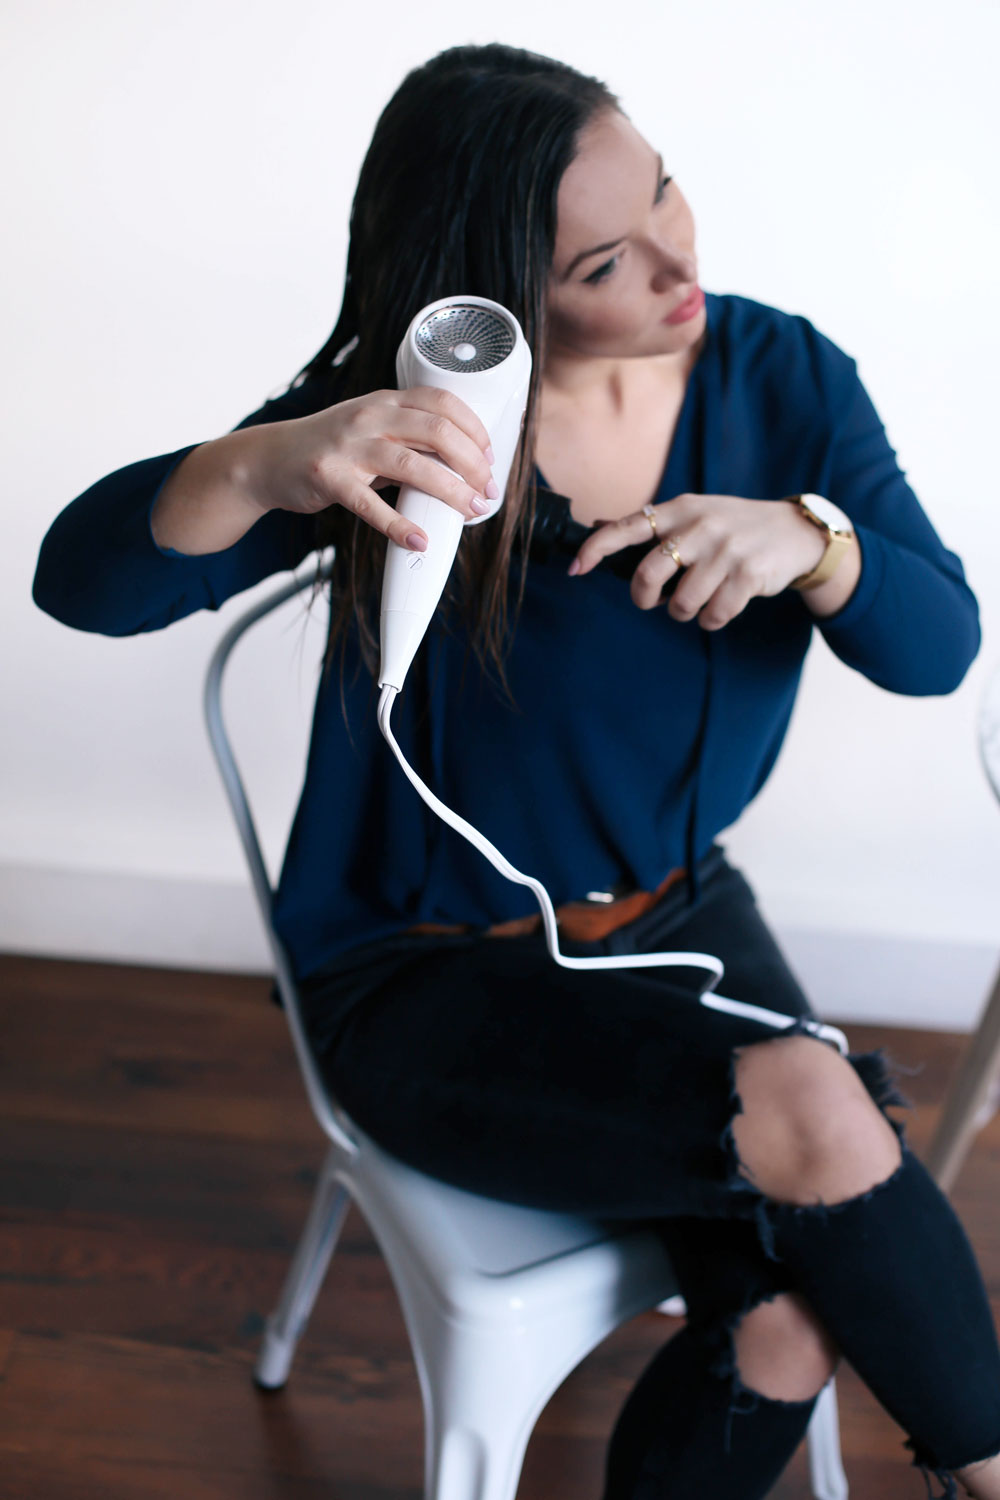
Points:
(837, 544)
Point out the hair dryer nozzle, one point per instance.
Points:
(474, 348)
(465, 338)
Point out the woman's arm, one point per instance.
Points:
(209, 500)
(911, 623)
(108, 562)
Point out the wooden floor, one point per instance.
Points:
(158, 1158)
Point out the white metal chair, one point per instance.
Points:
(974, 1095)
(500, 1302)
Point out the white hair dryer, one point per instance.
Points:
(475, 348)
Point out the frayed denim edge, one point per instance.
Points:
(873, 1068)
(742, 1399)
(927, 1467)
(923, 1461)
(875, 1071)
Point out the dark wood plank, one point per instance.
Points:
(156, 1165)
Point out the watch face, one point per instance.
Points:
(831, 515)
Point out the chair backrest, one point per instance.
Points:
(989, 729)
(332, 1120)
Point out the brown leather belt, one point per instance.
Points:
(580, 921)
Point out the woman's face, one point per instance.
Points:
(611, 302)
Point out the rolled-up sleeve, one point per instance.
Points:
(101, 569)
(912, 623)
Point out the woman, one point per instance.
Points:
(667, 437)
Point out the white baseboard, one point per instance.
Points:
(126, 918)
(883, 980)
(188, 924)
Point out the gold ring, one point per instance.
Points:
(670, 545)
(650, 515)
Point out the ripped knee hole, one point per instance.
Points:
(782, 1350)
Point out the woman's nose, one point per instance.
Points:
(674, 266)
(668, 283)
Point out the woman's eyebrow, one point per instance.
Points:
(600, 249)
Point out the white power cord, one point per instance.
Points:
(610, 961)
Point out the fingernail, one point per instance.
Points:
(574, 567)
(491, 457)
(493, 490)
(479, 506)
(416, 541)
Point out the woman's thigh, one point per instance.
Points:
(607, 1092)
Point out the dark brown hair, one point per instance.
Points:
(457, 194)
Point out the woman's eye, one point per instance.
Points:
(603, 272)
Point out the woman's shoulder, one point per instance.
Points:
(762, 344)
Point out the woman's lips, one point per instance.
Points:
(687, 309)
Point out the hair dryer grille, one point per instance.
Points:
(465, 338)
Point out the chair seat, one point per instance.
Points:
(486, 1234)
(465, 1243)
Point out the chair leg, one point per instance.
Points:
(971, 1100)
(305, 1277)
(474, 1463)
(483, 1388)
(826, 1469)
(478, 1452)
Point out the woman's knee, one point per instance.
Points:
(808, 1130)
(783, 1351)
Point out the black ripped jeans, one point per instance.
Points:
(611, 1093)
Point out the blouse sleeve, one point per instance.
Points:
(100, 569)
(912, 623)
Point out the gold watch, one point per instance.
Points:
(839, 535)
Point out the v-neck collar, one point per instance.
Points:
(573, 531)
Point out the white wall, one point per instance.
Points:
(177, 187)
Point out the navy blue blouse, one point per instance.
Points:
(637, 738)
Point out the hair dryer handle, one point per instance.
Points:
(414, 581)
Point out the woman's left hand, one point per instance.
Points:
(731, 550)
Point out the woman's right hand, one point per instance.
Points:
(344, 454)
